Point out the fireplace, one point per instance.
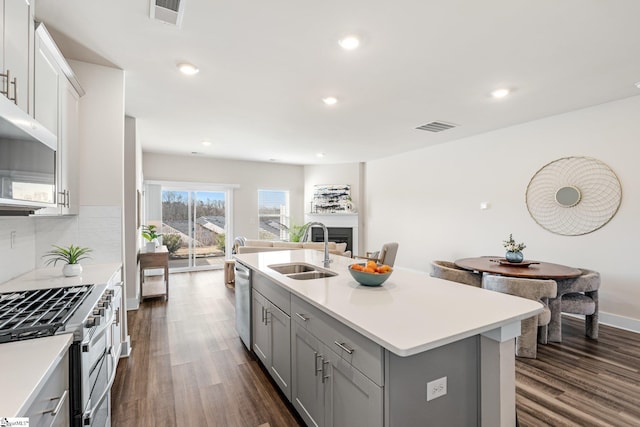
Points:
(336, 234)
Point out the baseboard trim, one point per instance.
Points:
(620, 322)
(613, 320)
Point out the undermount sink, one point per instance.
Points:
(311, 275)
(292, 268)
(302, 271)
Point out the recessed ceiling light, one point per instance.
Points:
(638, 85)
(349, 42)
(320, 155)
(500, 93)
(206, 143)
(330, 100)
(188, 69)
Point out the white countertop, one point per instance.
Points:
(410, 313)
(24, 368)
(52, 277)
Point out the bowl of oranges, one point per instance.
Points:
(370, 273)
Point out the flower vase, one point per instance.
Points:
(71, 270)
(514, 256)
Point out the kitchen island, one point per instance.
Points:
(421, 347)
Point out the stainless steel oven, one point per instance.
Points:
(88, 312)
(93, 361)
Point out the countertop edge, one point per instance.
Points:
(402, 352)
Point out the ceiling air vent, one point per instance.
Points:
(168, 11)
(437, 126)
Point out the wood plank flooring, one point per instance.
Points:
(189, 368)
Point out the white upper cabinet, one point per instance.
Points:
(56, 106)
(17, 24)
(46, 87)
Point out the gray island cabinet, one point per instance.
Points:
(415, 351)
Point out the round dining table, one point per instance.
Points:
(528, 269)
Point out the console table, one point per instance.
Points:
(153, 260)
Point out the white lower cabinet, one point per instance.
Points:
(51, 406)
(327, 391)
(272, 340)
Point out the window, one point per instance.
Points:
(273, 214)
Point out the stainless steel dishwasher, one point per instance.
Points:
(243, 303)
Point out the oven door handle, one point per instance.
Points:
(94, 336)
(87, 416)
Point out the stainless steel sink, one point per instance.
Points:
(292, 268)
(302, 271)
(311, 275)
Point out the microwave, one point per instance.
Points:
(27, 162)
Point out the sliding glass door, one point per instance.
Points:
(194, 225)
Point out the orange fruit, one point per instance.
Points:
(371, 264)
(369, 270)
(357, 267)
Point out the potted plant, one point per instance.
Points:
(149, 232)
(71, 255)
(296, 232)
(514, 250)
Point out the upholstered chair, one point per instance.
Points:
(534, 289)
(448, 271)
(576, 296)
(386, 255)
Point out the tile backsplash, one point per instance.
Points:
(96, 227)
(17, 247)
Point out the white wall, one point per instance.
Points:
(250, 176)
(432, 206)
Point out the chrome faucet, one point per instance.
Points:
(327, 260)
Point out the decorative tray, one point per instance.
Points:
(503, 261)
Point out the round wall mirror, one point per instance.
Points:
(568, 196)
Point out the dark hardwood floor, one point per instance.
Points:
(188, 368)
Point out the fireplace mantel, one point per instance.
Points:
(347, 220)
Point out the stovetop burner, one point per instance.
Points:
(38, 313)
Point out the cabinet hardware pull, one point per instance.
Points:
(266, 316)
(262, 315)
(316, 356)
(302, 316)
(344, 347)
(61, 400)
(324, 376)
(116, 320)
(15, 90)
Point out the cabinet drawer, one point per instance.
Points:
(272, 291)
(360, 351)
(54, 394)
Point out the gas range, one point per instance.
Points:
(39, 313)
(89, 313)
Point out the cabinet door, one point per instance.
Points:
(17, 17)
(68, 148)
(350, 398)
(306, 376)
(116, 326)
(280, 348)
(260, 328)
(46, 86)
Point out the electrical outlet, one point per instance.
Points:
(436, 388)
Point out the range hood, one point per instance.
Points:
(27, 162)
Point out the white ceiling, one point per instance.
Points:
(266, 65)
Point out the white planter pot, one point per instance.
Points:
(151, 246)
(70, 270)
